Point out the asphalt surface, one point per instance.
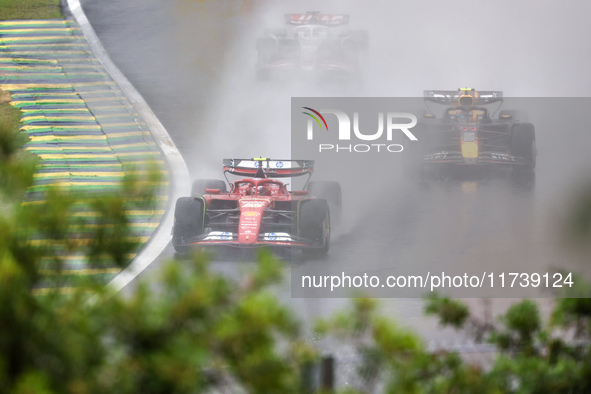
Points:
(194, 64)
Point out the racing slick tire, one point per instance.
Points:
(189, 214)
(199, 186)
(523, 144)
(314, 224)
(331, 192)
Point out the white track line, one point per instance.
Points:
(177, 168)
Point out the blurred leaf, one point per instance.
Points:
(450, 312)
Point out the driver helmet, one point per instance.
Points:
(263, 191)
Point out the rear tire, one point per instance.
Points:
(523, 144)
(314, 224)
(188, 221)
(200, 185)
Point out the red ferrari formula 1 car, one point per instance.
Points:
(258, 210)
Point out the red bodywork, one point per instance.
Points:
(255, 200)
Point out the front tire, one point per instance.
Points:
(189, 214)
(523, 144)
(314, 224)
(332, 193)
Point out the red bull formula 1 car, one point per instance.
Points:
(258, 210)
(311, 43)
(468, 134)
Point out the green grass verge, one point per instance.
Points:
(30, 9)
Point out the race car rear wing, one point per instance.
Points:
(463, 97)
(262, 167)
(315, 18)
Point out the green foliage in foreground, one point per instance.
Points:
(30, 9)
(16, 166)
(196, 331)
(533, 356)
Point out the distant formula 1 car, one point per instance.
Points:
(311, 43)
(467, 134)
(258, 210)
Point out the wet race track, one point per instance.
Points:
(193, 61)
